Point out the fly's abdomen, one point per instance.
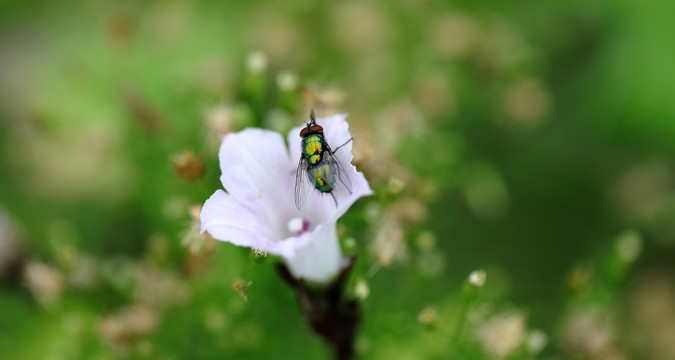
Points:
(322, 176)
(312, 148)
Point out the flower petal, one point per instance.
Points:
(227, 219)
(320, 208)
(253, 162)
(314, 256)
(257, 171)
(319, 258)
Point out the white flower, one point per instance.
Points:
(46, 282)
(258, 209)
(287, 81)
(477, 278)
(503, 333)
(628, 246)
(256, 62)
(535, 341)
(361, 290)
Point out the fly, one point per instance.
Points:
(318, 164)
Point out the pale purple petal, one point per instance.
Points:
(255, 167)
(257, 172)
(320, 258)
(227, 219)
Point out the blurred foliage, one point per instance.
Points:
(534, 140)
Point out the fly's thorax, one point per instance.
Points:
(312, 148)
(322, 176)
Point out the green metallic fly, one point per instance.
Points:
(318, 164)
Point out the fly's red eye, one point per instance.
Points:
(303, 132)
(316, 128)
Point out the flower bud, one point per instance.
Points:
(477, 278)
(188, 166)
(428, 316)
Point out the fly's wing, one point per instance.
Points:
(301, 185)
(342, 180)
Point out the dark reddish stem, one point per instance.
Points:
(327, 311)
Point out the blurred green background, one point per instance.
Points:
(534, 140)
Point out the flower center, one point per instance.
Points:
(298, 225)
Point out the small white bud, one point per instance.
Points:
(535, 341)
(502, 334)
(287, 81)
(628, 246)
(45, 282)
(395, 186)
(256, 62)
(477, 278)
(426, 240)
(373, 212)
(361, 290)
(428, 316)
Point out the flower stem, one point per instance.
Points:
(468, 295)
(327, 311)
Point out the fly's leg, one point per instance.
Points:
(346, 142)
(343, 183)
(346, 187)
(334, 199)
